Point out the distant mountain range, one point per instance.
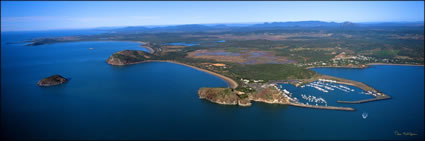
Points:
(266, 25)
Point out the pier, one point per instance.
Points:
(322, 107)
(365, 100)
(349, 82)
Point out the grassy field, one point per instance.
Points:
(268, 72)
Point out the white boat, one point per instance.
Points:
(320, 89)
(329, 88)
(364, 115)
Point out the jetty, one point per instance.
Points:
(348, 82)
(322, 107)
(365, 100)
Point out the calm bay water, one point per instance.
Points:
(159, 100)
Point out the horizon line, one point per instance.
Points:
(165, 25)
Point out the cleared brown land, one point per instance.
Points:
(168, 49)
(243, 57)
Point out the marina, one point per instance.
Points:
(308, 101)
(343, 92)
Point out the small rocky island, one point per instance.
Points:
(52, 80)
(127, 57)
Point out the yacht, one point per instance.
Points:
(364, 115)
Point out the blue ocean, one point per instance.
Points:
(158, 100)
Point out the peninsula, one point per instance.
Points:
(241, 92)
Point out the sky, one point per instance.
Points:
(45, 15)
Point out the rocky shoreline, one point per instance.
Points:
(127, 57)
(227, 96)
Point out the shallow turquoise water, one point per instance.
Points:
(159, 100)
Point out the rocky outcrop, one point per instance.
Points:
(244, 102)
(225, 96)
(269, 95)
(52, 80)
(127, 57)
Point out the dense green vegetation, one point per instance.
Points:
(225, 92)
(268, 72)
(245, 89)
(127, 56)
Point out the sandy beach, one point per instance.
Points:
(230, 82)
(151, 51)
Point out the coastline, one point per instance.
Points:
(233, 84)
(230, 82)
(338, 67)
(151, 51)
